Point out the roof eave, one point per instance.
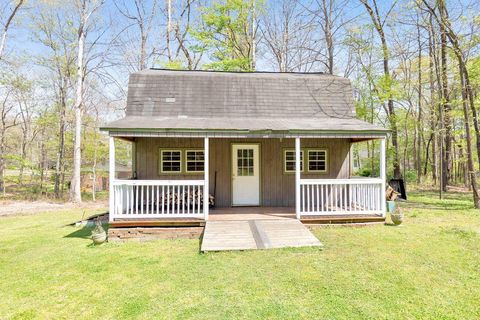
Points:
(380, 132)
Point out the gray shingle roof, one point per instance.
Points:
(204, 100)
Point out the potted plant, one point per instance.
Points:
(397, 216)
(395, 213)
(98, 233)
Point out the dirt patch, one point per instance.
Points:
(12, 207)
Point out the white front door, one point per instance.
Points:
(245, 175)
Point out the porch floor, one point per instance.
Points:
(246, 214)
(256, 234)
(251, 213)
(282, 213)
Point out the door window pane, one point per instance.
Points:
(245, 164)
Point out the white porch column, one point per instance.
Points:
(111, 178)
(297, 177)
(383, 175)
(206, 192)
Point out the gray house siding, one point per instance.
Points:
(276, 187)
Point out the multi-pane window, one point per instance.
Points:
(245, 162)
(289, 160)
(170, 161)
(317, 160)
(194, 161)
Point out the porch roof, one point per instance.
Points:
(218, 126)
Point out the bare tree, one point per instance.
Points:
(9, 16)
(379, 24)
(142, 15)
(85, 9)
(288, 37)
(332, 22)
(52, 32)
(182, 26)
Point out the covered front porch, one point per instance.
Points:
(314, 199)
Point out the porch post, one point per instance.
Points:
(206, 193)
(111, 178)
(383, 176)
(297, 177)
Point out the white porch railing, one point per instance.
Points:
(341, 196)
(158, 198)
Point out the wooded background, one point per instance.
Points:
(64, 67)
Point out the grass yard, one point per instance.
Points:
(429, 268)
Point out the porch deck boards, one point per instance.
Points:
(256, 234)
(251, 213)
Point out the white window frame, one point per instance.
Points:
(161, 151)
(302, 160)
(186, 160)
(326, 160)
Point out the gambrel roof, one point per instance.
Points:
(201, 101)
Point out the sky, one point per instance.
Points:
(22, 41)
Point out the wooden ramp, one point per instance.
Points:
(256, 234)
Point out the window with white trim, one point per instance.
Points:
(289, 160)
(171, 161)
(194, 161)
(317, 160)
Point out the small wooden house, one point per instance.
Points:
(260, 139)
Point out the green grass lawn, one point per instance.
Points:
(428, 268)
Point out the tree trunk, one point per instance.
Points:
(43, 161)
(419, 114)
(23, 154)
(468, 140)
(59, 165)
(2, 162)
(6, 26)
(327, 29)
(253, 50)
(471, 100)
(75, 192)
(447, 121)
(169, 29)
(433, 116)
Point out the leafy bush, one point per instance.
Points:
(410, 176)
(364, 172)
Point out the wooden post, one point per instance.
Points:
(111, 178)
(206, 193)
(134, 159)
(297, 177)
(383, 175)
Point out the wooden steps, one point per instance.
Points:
(256, 234)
